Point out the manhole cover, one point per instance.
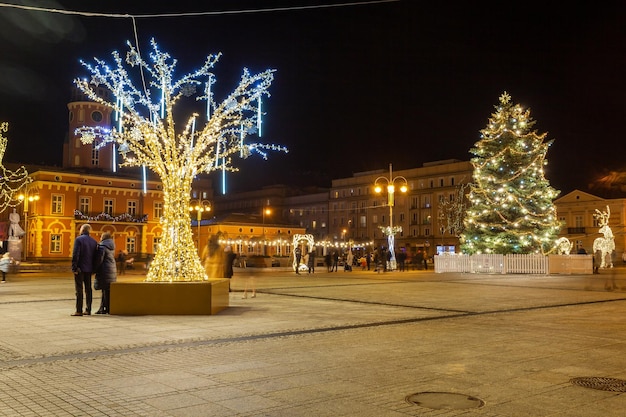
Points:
(445, 400)
(600, 383)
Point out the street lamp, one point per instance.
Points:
(28, 197)
(200, 207)
(391, 189)
(266, 211)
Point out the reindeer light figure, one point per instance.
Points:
(606, 244)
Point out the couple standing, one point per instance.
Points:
(88, 257)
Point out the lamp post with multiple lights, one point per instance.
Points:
(391, 231)
(199, 207)
(29, 197)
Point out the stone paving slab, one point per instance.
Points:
(343, 344)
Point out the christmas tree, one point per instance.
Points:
(511, 209)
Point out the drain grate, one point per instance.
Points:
(600, 383)
(444, 400)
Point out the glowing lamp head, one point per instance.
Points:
(377, 189)
(391, 189)
(403, 188)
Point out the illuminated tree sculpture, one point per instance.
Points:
(512, 208)
(146, 135)
(11, 182)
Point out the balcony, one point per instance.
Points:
(105, 217)
(575, 230)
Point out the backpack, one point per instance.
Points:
(98, 258)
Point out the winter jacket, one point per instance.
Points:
(83, 253)
(5, 263)
(106, 270)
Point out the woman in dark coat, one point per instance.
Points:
(106, 271)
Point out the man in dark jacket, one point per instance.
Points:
(82, 267)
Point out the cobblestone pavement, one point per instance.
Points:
(328, 344)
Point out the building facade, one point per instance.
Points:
(357, 213)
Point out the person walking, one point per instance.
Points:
(311, 262)
(401, 260)
(328, 262)
(82, 267)
(105, 270)
(335, 258)
(229, 258)
(121, 258)
(5, 265)
(298, 255)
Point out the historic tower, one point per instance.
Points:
(84, 112)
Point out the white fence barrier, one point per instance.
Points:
(514, 264)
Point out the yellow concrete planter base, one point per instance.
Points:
(169, 298)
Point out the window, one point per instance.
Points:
(95, 155)
(579, 221)
(314, 224)
(84, 205)
(363, 221)
(130, 244)
(108, 206)
(158, 209)
(155, 244)
(401, 217)
(132, 207)
(57, 204)
(375, 218)
(55, 243)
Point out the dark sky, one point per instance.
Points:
(356, 87)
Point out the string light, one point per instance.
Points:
(11, 182)
(147, 136)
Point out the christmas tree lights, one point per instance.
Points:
(147, 136)
(512, 208)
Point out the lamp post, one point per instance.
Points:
(200, 207)
(26, 198)
(266, 211)
(391, 189)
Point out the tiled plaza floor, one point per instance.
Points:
(328, 344)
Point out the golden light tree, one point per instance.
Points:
(146, 134)
(11, 182)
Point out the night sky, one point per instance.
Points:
(357, 86)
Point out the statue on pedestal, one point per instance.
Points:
(15, 230)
